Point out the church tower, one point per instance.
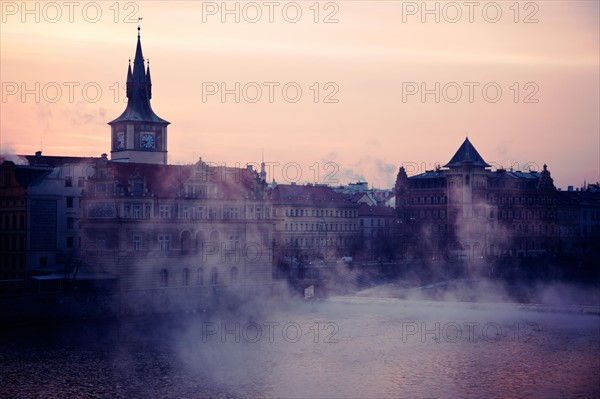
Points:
(139, 135)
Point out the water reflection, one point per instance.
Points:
(338, 348)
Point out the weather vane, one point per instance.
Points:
(139, 19)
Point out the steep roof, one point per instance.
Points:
(139, 92)
(308, 195)
(466, 154)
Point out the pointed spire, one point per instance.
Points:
(139, 90)
(148, 79)
(129, 80)
(466, 154)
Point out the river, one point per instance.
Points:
(342, 347)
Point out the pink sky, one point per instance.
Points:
(369, 54)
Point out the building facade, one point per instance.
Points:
(467, 211)
(177, 226)
(313, 222)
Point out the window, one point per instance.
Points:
(137, 211)
(137, 243)
(200, 213)
(214, 276)
(101, 242)
(185, 277)
(164, 242)
(200, 276)
(164, 212)
(68, 181)
(69, 242)
(164, 278)
(81, 181)
(69, 202)
(70, 223)
(234, 275)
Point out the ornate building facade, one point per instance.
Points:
(467, 211)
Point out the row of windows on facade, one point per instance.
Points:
(137, 187)
(69, 181)
(12, 242)
(320, 213)
(319, 241)
(185, 276)
(164, 242)
(379, 224)
(9, 203)
(492, 198)
(480, 213)
(320, 227)
(174, 211)
(594, 215)
(485, 227)
(12, 220)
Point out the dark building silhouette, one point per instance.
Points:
(467, 211)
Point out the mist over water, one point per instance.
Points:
(343, 347)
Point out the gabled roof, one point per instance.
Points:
(285, 194)
(466, 154)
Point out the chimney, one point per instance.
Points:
(38, 154)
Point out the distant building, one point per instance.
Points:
(578, 215)
(14, 217)
(377, 228)
(40, 204)
(360, 192)
(469, 212)
(313, 222)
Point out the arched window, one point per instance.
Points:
(200, 276)
(185, 277)
(214, 276)
(199, 241)
(164, 278)
(233, 274)
(186, 242)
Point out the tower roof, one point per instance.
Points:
(139, 92)
(466, 154)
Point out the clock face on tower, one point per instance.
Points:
(121, 141)
(147, 141)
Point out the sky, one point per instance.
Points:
(328, 92)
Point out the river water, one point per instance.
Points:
(343, 347)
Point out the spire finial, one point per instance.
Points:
(139, 20)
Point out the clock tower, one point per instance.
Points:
(139, 135)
